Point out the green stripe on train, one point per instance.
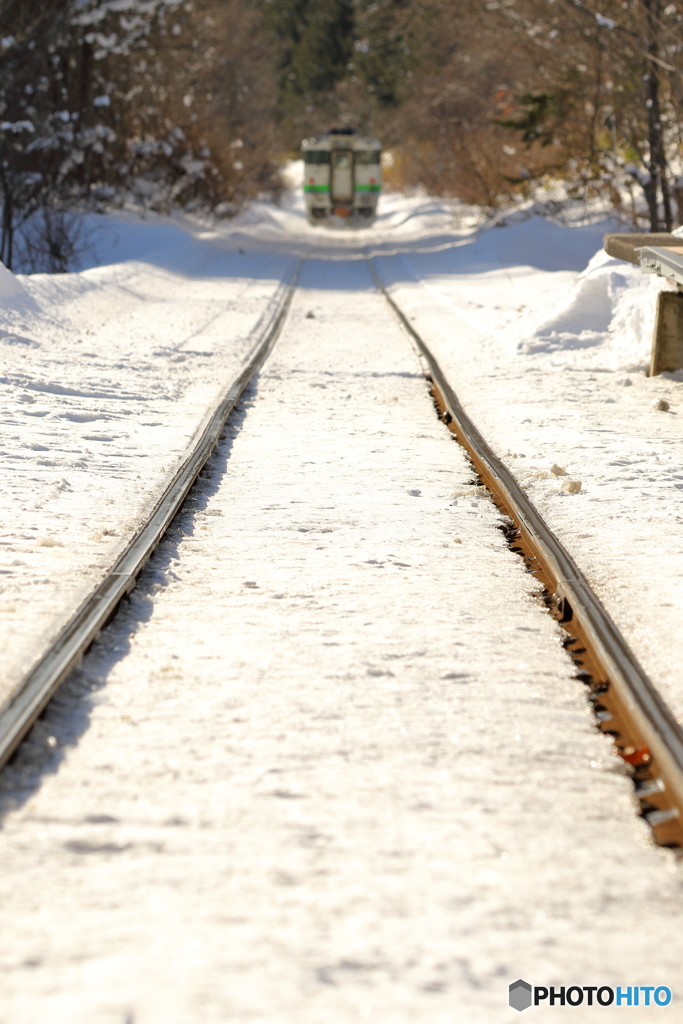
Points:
(326, 188)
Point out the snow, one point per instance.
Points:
(105, 377)
(552, 368)
(11, 291)
(330, 762)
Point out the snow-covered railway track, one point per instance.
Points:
(34, 692)
(626, 704)
(330, 754)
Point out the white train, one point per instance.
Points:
(342, 176)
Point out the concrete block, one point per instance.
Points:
(667, 343)
(624, 246)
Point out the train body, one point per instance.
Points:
(342, 176)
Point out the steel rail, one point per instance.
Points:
(36, 688)
(646, 733)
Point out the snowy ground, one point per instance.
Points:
(330, 764)
(553, 369)
(105, 376)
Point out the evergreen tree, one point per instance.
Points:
(320, 57)
(384, 60)
(315, 40)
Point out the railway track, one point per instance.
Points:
(49, 672)
(624, 700)
(626, 703)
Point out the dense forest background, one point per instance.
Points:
(197, 103)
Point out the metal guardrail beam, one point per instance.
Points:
(665, 261)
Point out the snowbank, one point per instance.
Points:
(10, 288)
(610, 308)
